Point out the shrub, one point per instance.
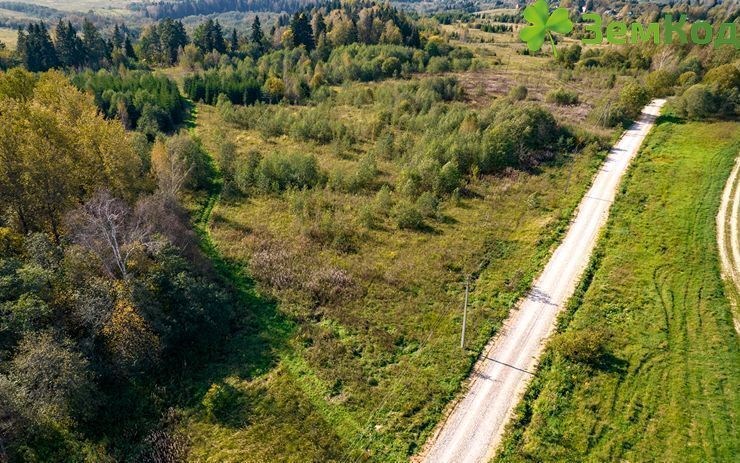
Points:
(221, 401)
(438, 64)
(697, 102)
(408, 216)
(660, 83)
(449, 178)
(724, 84)
(723, 78)
(562, 97)
(383, 201)
(518, 93)
(329, 285)
(582, 346)
(367, 216)
(189, 149)
(688, 78)
(519, 137)
(632, 98)
(427, 205)
(282, 171)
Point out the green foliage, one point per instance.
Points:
(278, 172)
(209, 36)
(570, 56)
(160, 43)
(57, 150)
(660, 83)
(688, 78)
(562, 97)
(632, 98)
(517, 138)
(140, 100)
(408, 216)
(518, 93)
(697, 102)
(53, 378)
(221, 401)
(587, 346)
(717, 96)
(36, 49)
(238, 87)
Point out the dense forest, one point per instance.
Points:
(102, 279)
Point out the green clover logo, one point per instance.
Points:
(543, 24)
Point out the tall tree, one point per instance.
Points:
(69, 48)
(96, 50)
(57, 149)
(172, 36)
(234, 40)
(257, 36)
(209, 36)
(302, 32)
(117, 37)
(36, 49)
(318, 25)
(151, 45)
(128, 48)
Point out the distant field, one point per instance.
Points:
(82, 5)
(9, 37)
(668, 387)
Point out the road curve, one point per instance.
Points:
(728, 236)
(474, 428)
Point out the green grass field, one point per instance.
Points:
(668, 387)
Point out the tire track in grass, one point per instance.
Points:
(727, 237)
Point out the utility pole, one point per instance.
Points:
(465, 312)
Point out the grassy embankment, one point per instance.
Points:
(668, 386)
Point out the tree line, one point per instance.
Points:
(71, 49)
(101, 278)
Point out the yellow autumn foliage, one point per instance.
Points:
(56, 149)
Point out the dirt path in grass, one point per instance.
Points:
(472, 430)
(728, 238)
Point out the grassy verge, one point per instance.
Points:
(665, 386)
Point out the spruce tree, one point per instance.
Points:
(36, 49)
(68, 45)
(128, 48)
(96, 50)
(234, 40)
(302, 33)
(117, 38)
(257, 36)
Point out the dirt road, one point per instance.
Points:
(728, 238)
(473, 429)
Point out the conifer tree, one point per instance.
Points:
(302, 33)
(234, 40)
(69, 48)
(117, 38)
(96, 50)
(36, 49)
(257, 36)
